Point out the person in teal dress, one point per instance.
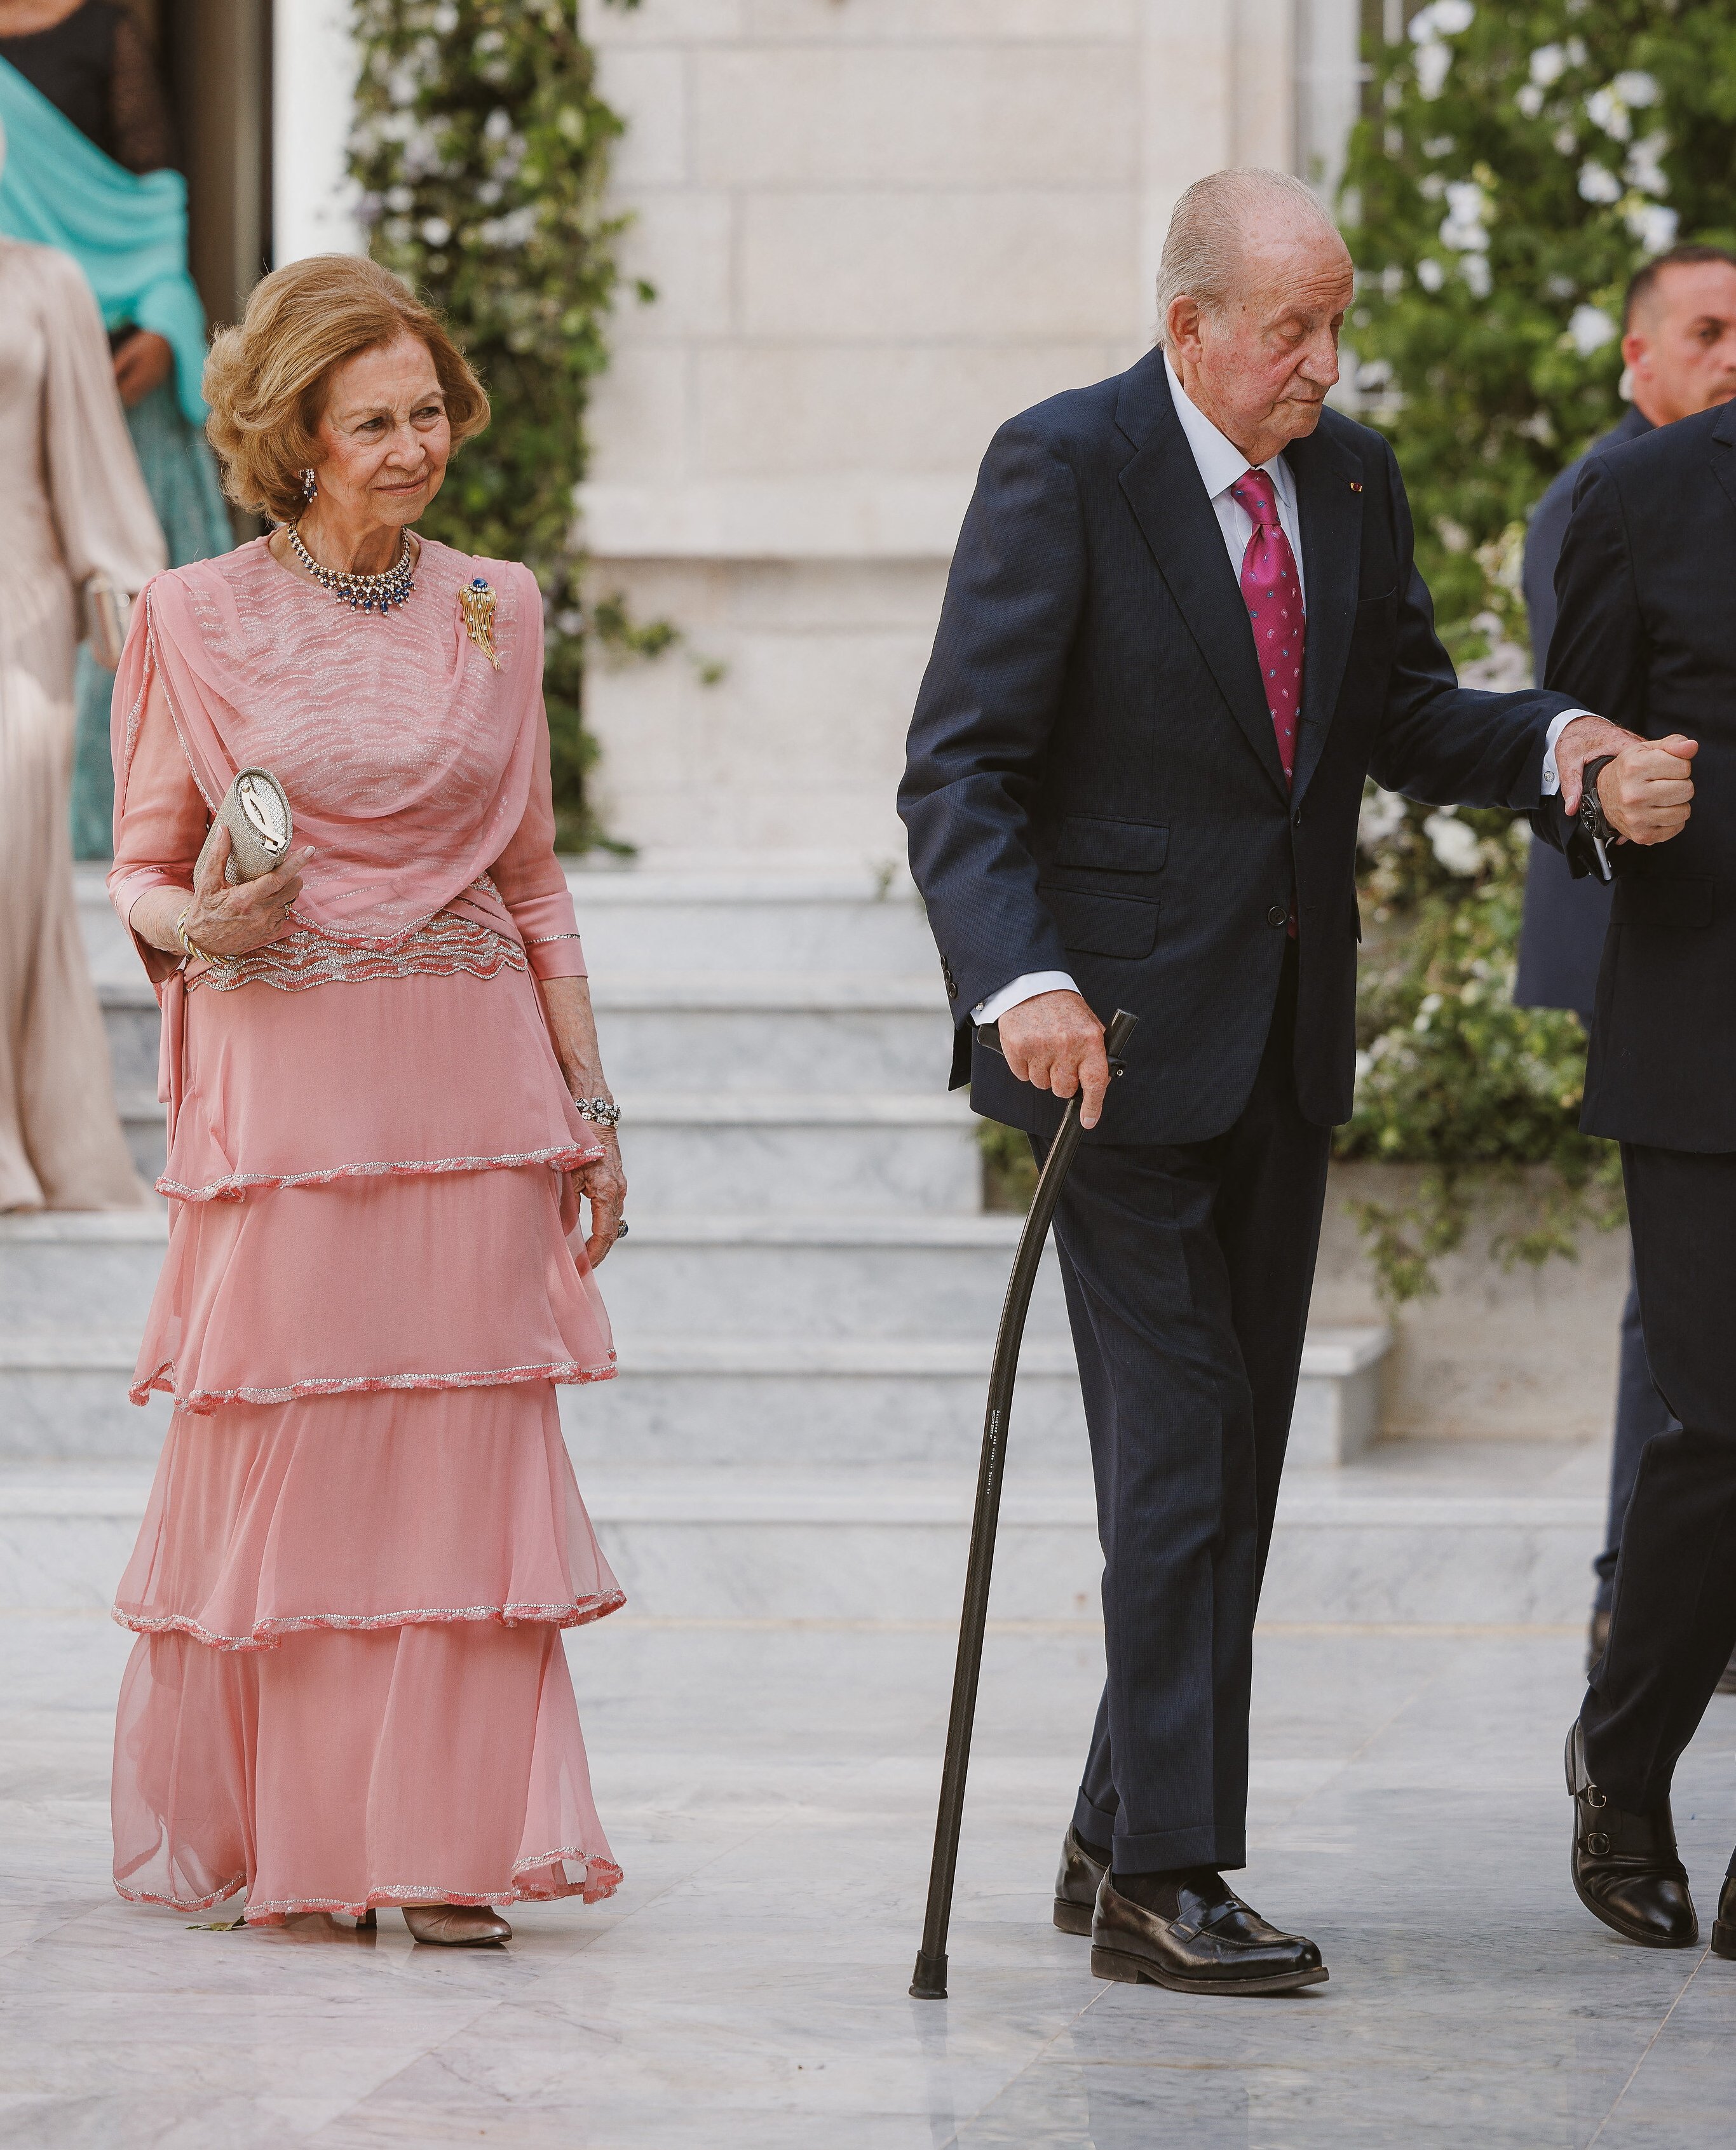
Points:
(90, 170)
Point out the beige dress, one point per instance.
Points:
(74, 506)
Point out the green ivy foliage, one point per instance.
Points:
(1518, 163)
(482, 149)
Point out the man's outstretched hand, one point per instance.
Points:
(1055, 1042)
(1647, 793)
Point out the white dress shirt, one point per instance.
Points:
(1220, 463)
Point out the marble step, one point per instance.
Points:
(1382, 1542)
(897, 1404)
(633, 919)
(853, 1151)
(839, 1032)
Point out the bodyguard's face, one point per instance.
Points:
(1681, 351)
(1260, 366)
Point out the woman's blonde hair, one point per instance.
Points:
(267, 380)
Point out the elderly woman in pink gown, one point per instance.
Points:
(386, 1102)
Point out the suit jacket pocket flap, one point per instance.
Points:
(1661, 899)
(1103, 925)
(1135, 847)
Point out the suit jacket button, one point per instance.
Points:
(1277, 915)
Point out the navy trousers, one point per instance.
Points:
(1187, 1271)
(1673, 1625)
(1640, 1413)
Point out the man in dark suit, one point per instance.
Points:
(1183, 624)
(1645, 586)
(1678, 343)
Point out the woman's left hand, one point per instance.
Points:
(144, 361)
(604, 1185)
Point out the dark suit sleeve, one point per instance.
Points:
(989, 701)
(1438, 741)
(1542, 550)
(1597, 652)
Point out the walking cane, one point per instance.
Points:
(930, 1982)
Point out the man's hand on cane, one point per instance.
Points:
(1054, 1042)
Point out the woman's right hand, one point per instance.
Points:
(229, 920)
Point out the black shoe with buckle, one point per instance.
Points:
(1077, 1885)
(1723, 1926)
(1190, 1933)
(1625, 1867)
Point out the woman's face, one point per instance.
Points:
(385, 436)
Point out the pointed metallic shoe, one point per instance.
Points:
(1195, 1936)
(1723, 1926)
(456, 1925)
(1625, 1868)
(1075, 1886)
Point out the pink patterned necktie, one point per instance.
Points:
(1272, 591)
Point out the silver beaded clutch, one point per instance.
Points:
(256, 813)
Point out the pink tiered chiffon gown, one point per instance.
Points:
(363, 1538)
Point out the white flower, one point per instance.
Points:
(1430, 273)
(1474, 267)
(1441, 18)
(1652, 225)
(436, 230)
(1456, 846)
(1432, 62)
(1566, 141)
(1439, 145)
(1644, 167)
(1462, 229)
(444, 19)
(1605, 109)
(1549, 64)
(1590, 329)
(1597, 183)
(400, 199)
(1382, 818)
(1635, 89)
(498, 125)
(1530, 100)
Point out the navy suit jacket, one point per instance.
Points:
(1646, 635)
(1561, 939)
(1093, 783)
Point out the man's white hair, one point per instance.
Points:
(1203, 246)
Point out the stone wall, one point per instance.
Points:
(876, 228)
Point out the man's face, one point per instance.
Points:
(1681, 351)
(1260, 366)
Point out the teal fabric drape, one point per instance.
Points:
(127, 232)
(180, 474)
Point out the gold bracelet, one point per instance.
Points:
(192, 947)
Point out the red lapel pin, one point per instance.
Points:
(1355, 485)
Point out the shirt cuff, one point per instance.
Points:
(1557, 725)
(1026, 988)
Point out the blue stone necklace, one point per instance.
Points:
(361, 592)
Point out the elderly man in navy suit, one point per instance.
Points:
(1184, 626)
(1679, 345)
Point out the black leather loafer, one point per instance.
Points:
(1195, 1936)
(1625, 1867)
(1076, 1885)
(1723, 1926)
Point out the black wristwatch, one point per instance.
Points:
(1592, 820)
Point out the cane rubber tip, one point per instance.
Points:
(930, 1982)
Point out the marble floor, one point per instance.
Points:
(770, 1790)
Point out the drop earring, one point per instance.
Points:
(310, 485)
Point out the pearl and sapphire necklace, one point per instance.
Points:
(361, 592)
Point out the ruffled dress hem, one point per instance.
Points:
(201, 1403)
(602, 1878)
(267, 1635)
(232, 1187)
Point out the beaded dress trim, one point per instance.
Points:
(445, 946)
(202, 1402)
(573, 1612)
(564, 1157)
